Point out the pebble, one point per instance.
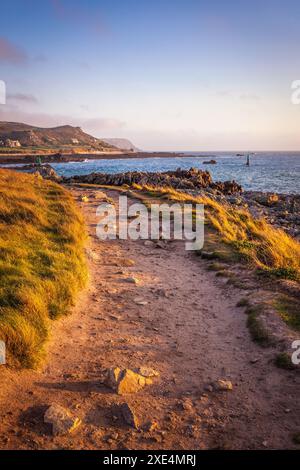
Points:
(132, 280)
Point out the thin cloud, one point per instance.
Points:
(249, 97)
(79, 16)
(102, 124)
(11, 53)
(23, 97)
(224, 93)
(41, 58)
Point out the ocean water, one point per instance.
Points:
(268, 171)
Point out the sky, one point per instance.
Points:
(166, 74)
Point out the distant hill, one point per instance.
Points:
(122, 144)
(55, 137)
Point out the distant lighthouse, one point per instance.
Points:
(248, 159)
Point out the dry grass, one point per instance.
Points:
(42, 263)
(271, 250)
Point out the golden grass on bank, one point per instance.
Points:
(266, 247)
(42, 263)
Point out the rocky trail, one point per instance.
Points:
(150, 309)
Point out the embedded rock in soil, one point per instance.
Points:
(131, 280)
(149, 243)
(61, 420)
(126, 380)
(129, 416)
(92, 255)
(223, 385)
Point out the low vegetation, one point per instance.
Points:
(289, 310)
(283, 361)
(243, 302)
(42, 263)
(256, 327)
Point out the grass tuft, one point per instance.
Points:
(42, 262)
(243, 302)
(289, 310)
(256, 327)
(296, 438)
(283, 361)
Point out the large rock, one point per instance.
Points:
(40, 170)
(61, 420)
(127, 381)
(47, 172)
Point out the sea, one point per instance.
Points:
(268, 171)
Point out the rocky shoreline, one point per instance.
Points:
(192, 179)
(280, 210)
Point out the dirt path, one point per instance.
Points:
(190, 330)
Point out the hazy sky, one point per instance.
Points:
(167, 74)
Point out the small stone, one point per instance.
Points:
(192, 430)
(140, 301)
(100, 195)
(160, 244)
(112, 437)
(161, 292)
(132, 280)
(187, 405)
(158, 438)
(126, 381)
(223, 385)
(92, 255)
(129, 416)
(207, 254)
(150, 426)
(149, 243)
(61, 420)
(127, 262)
(115, 317)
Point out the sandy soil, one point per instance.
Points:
(190, 330)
